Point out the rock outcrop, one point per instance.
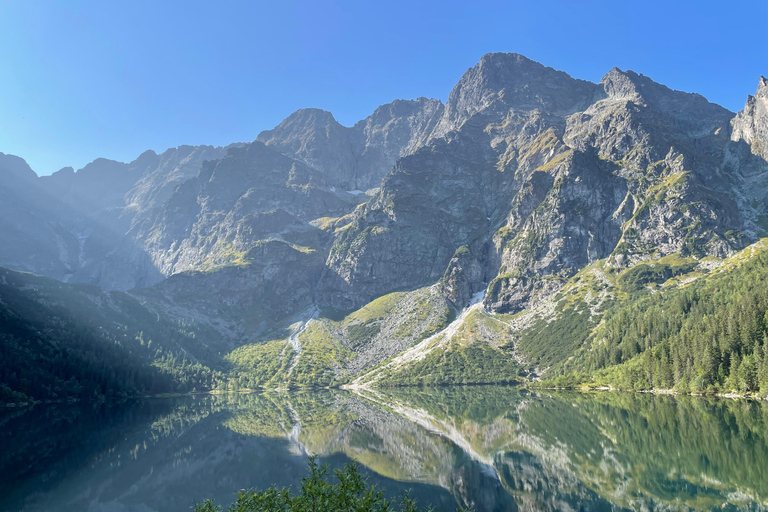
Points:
(355, 158)
(751, 124)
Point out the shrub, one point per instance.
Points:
(349, 494)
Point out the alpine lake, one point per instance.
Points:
(491, 448)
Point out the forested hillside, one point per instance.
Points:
(60, 342)
(707, 336)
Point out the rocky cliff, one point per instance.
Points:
(539, 174)
(355, 158)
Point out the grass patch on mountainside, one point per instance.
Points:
(476, 363)
(331, 343)
(392, 323)
(377, 309)
(552, 342)
(476, 354)
(261, 364)
(273, 364)
(323, 358)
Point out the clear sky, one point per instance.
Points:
(80, 80)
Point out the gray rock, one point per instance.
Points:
(355, 158)
(751, 124)
(464, 277)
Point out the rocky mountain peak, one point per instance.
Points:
(501, 82)
(751, 123)
(640, 89)
(65, 171)
(621, 85)
(146, 157)
(355, 158)
(296, 127)
(15, 166)
(393, 130)
(638, 117)
(255, 157)
(401, 109)
(316, 138)
(762, 88)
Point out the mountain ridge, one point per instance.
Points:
(523, 179)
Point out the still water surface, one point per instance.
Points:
(491, 448)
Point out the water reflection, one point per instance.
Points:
(491, 448)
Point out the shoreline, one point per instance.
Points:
(241, 391)
(69, 401)
(357, 387)
(587, 389)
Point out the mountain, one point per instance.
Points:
(543, 184)
(355, 158)
(44, 234)
(483, 240)
(72, 226)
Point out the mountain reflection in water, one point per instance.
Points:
(492, 448)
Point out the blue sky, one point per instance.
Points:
(81, 80)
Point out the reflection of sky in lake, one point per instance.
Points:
(492, 448)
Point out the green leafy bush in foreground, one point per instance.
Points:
(348, 494)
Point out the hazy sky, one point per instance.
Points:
(80, 80)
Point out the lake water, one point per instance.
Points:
(491, 448)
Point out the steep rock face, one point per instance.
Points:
(173, 167)
(45, 235)
(751, 124)
(115, 193)
(135, 208)
(746, 161)
(72, 225)
(393, 130)
(456, 189)
(274, 282)
(681, 215)
(464, 277)
(317, 139)
(549, 174)
(32, 239)
(568, 215)
(635, 121)
(432, 202)
(504, 82)
(355, 158)
(251, 194)
(635, 176)
(15, 168)
(102, 184)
